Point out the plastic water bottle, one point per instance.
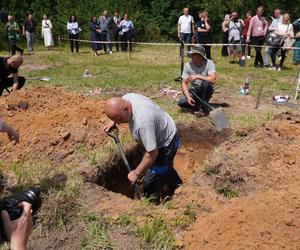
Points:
(247, 86)
(242, 61)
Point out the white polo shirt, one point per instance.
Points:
(186, 24)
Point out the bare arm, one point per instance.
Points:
(147, 161)
(178, 30)
(24, 30)
(15, 85)
(12, 134)
(266, 27)
(249, 30)
(185, 91)
(211, 78)
(208, 27)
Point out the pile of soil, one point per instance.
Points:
(53, 125)
(267, 213)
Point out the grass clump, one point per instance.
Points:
(229, 193)
(155, 234)
(95, 234)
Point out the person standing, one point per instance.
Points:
(203, 28)
(225, 35)
(73, 31)
(296, 58)
(156, 132)
(126, 33)
(257, 31)
(47, 33)
(244, 37)
(103, 22)
(185, 30)
(114, 29)
(276, 20)
(13, 34)
(286, 30)
(28, 31)
(235, 26)
(95, 35)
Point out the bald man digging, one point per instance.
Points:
(10, 66)
(156, 131)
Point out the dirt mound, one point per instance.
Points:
(263, 169)
(54, 124)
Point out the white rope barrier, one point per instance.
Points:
(174, 44)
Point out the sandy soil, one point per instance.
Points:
(261, 165)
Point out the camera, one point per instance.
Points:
(236, 19)
(10, 204)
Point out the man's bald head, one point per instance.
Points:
(118, 109)
(15, 61)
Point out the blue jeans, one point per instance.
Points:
(106, 37)
(162, 172)
(186, 38)
(267, 55)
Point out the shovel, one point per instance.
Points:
(114, 133)
(216, 114)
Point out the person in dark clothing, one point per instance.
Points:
(95, 35)
(114, 29)
(203, 28)
(13, 34)
(8, 66)
(28, 31)
(73, 30)
(225, 36)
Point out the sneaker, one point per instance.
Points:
(248, 57)
(231, 62)
(279, 69)
(272, 68)
(110, 52)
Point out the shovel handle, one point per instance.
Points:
(114, 133)
(200, 100)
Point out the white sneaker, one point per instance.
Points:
(279, 69)
(248, 57)
(110, 52)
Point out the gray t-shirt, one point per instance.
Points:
(150, 125)
(206, 68)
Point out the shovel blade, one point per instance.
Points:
(219, 119)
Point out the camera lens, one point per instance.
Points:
(32, 196)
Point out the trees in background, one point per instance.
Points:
(155, 20)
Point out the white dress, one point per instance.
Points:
(47, 33)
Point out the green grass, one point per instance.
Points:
(229, 193)
(147, 67)
(95, 234)
(155, 234)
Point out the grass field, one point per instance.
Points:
(142, 71)
(146, 69)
